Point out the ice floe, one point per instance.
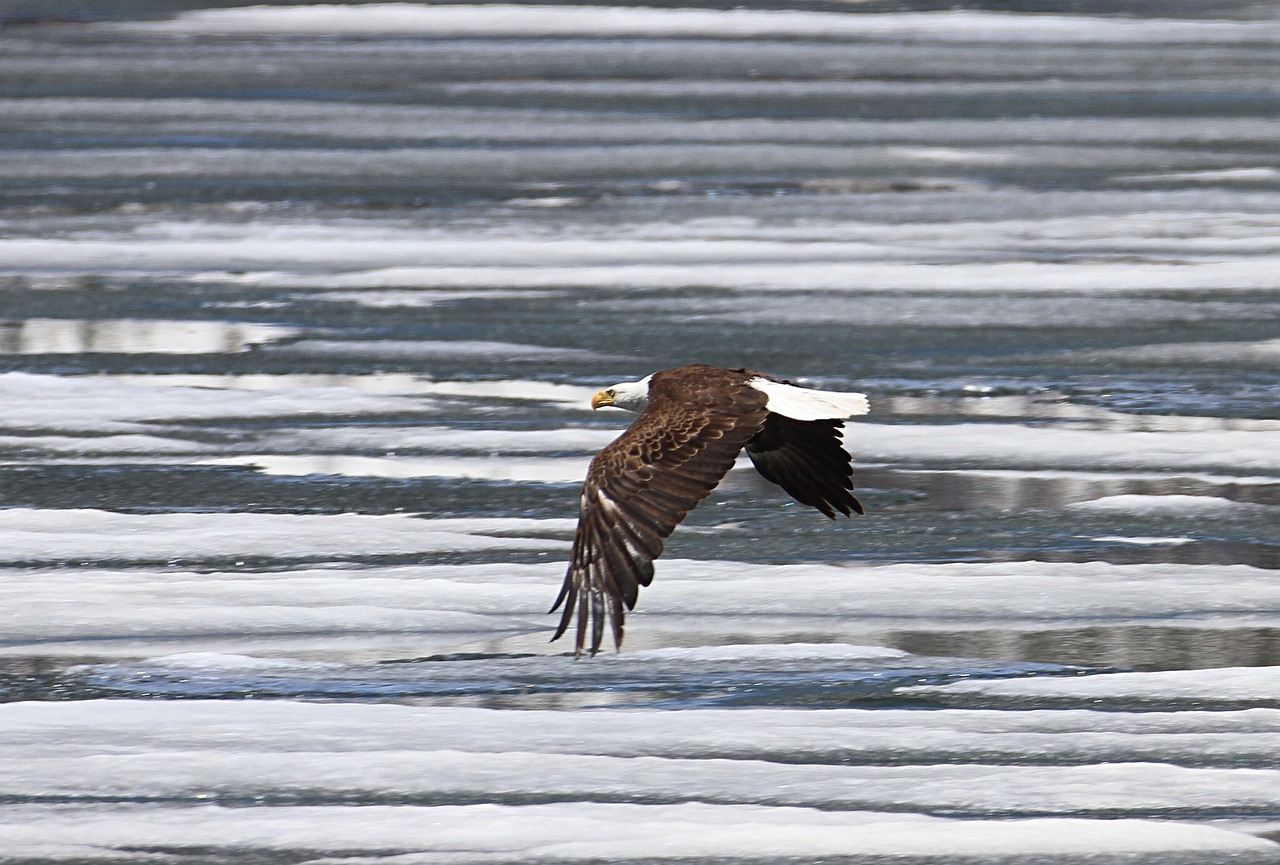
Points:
(835, 736)
(1167, 250)
(140, 405)
(1238, 684)
(828, 651)
(1168, 505)
(545, 470)
(135, 336)
(438, 350)
(620, 832)
(1245, 174)
(1008, 445)
(34, 535)
(1264, 354)
(110, 404)
(731, 783)
(703, 604)
(1142, 541)
(470, 21)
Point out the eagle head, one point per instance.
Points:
(629, 395)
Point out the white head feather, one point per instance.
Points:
(630, 395)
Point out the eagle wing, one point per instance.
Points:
(642, 485)
(806, 459)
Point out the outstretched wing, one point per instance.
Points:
(805, 458)
(640, 487)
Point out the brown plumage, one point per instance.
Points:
(695, 422)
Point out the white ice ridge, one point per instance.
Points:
(140, 404)
(746, 782)
(136, 336)
(466, 607)
(467, 775)
(55, 535)
(790, 651)
(1244, 174)
(441, 439)
(544, 470)
(804, 737)
(1022, 445)
(442, 835)
(508, 20)
(1171, 505)
(439, 349)
(1089, 277)
(1243, 684)
(1265, 354)
(130, 404)
(1166, 250)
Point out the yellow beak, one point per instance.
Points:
(601, 398)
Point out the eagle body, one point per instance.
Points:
(694, 421)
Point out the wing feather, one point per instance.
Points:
(806, 459)
(643, 484)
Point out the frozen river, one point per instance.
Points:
(301, 310)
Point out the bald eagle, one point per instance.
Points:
(694, 420)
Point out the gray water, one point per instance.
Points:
(1047, 252)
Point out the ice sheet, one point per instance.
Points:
(438, 350)
(523, 777)
(1170, 505)
(1254, 273)
(865, 737)
(1251, 174)
(110, 404)
(139, 405)
(135, 336)
(1157, 250)
(699, 602)
(443, 439)
(620, 832)
(33, 535)
(226, 774)
(1009, 445)
(600, 22)
(1264, 354)
(1219, 685)
(546, 470)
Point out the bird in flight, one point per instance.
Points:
(694, 421)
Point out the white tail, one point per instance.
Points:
(801, 403)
